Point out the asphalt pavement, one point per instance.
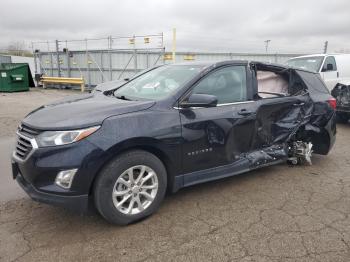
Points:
(279, 213)
(9, 189)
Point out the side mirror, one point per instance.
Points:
(328, 67)
(200, 100)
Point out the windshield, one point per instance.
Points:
(158, 83)
(312, 63)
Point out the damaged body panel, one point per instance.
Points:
(341, 93)
(288, 117)
(203, 121)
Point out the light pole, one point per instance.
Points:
(267, 44)
(174, 46)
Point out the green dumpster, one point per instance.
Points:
(15, 77)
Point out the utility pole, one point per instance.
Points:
(68, 60)
(267, 44)
(110, 43)
(325, 47)
(135, 54)
(58, 59)
(174, 46)
(87, 62)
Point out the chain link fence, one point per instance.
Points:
(104, 59)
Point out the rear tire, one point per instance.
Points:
(130, 187)
(342, 117)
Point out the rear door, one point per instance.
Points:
(217, 136)
(279, 114)
(276, 120)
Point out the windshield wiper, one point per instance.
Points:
(123, 98)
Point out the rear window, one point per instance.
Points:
(313, 82)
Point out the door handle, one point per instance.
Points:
(245, 112)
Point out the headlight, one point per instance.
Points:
(57, 138)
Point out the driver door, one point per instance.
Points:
(216, 136)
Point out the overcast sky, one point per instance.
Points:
(218, 25)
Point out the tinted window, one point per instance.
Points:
(330, 60)
(228, 84)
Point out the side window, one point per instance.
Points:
(228, 84)
(329, 64)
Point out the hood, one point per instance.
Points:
(81, 111)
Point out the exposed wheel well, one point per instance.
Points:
(321, 142)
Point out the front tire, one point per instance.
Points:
(130, 187)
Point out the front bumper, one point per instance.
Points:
(36, 174)
(78, 204)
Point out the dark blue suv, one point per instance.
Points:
(121, 147)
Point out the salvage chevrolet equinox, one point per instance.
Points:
(123, 146)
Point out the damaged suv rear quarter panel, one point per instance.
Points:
(322, 124)
(303, 115)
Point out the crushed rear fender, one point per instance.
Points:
(341, 93)
(308, 118)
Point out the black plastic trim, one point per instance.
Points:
(78, 204)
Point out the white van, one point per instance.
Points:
(333, 68)
(335, 72)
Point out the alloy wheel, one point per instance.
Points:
(135, 190)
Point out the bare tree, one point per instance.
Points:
(18, 48)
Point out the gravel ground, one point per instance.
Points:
(14, 106)
(278, 213)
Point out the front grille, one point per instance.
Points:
(23, 144)
(28, 131)
(23, 147)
